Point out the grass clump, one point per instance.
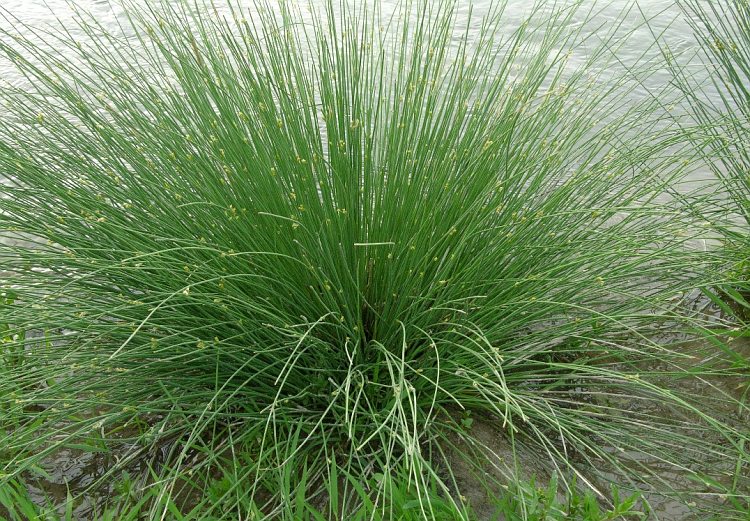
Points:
(723, 30)
(522, 501)
(287, 251)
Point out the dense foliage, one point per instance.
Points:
(266, 262)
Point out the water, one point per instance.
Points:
(665, 20)
(601, 19)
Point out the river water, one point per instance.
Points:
(664, 16)
(643, 21)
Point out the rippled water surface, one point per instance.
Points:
(602, 20)
(664, 19)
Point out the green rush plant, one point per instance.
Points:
(723, 120)
(298, 250)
